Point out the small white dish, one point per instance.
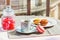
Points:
(32, 29)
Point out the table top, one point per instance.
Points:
(49, 31)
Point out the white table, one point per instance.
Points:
(51, 32)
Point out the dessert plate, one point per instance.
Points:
(51, 22)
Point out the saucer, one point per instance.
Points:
(32, 30)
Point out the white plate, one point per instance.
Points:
(51, 21)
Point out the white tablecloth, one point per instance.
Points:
(41, 38)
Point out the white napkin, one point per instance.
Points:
(4, 36)
(41, 38)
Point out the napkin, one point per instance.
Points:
(4, 36)
(53, 38)
(41, 38)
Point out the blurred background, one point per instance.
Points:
(49, 8)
